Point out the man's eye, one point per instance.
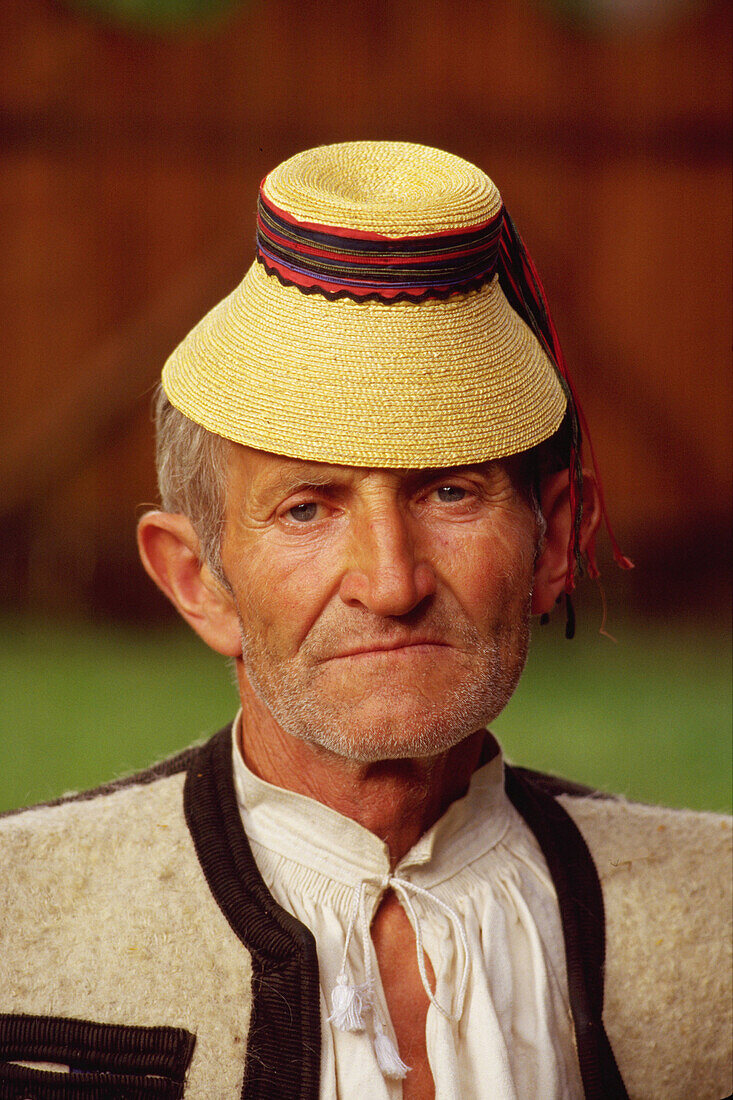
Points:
(450, 494)
(303, 513)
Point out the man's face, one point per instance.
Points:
(384, 613)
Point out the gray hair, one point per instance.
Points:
(192, 465)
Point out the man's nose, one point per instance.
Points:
(384, 572)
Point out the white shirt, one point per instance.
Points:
(513, 1039)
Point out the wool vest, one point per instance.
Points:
(140, 948)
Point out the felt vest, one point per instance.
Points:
(140, 947)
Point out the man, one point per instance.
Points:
(369, 458)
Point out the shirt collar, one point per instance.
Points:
(303, 829)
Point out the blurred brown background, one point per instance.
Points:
(131, 155)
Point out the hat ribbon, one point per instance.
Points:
(524, 291)
(338, 262)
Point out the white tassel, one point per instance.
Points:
(347, 1002)
(388, 1057)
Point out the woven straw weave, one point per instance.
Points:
(402, 384)
(393, 188)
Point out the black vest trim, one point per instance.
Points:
(284, 1042)
(106, 1061)
(580, 898)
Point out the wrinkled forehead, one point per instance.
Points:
(251, 471)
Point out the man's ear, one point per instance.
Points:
(552, 563)
(171, 554)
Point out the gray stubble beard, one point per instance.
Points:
(471, 705)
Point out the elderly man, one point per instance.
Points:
(369, 459)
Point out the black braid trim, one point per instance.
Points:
(403, 296)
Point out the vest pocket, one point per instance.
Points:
(55, 1058)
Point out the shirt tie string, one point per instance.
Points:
(349, 1000)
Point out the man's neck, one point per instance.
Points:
(397, 800)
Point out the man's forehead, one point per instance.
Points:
(272, 473)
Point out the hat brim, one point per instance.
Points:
(404, 385)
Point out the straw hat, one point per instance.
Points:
(373, 329)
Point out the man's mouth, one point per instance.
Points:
(393, 646)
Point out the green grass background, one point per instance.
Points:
(648, 715)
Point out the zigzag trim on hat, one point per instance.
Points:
(374, 296)
(337, 262)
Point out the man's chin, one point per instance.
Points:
(382, 720)
(389, 738)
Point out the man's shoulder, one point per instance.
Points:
(172, 765)
(652, 858)
(625, 834)
(666, 871)
(613, 824)
(78, 822)
(95, 850)
(666, 877)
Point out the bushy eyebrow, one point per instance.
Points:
(302, 475)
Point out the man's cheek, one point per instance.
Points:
(501, 602)
(484, 581)
(282, 626)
